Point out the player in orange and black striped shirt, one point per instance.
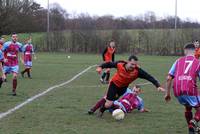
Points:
(108, 56)
(197, 49)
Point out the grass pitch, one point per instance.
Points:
(63, 111)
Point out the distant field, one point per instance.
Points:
(64, 111)
(146, 41)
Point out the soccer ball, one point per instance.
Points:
(118, 114)
(68, 57)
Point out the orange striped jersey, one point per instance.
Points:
(109, 54)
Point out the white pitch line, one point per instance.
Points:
(10, 111)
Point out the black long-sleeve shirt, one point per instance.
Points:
(140, 74)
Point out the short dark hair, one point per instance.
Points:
(137, 86)
(132, 57)
(14, 33)
(112, 40)
(189, 46)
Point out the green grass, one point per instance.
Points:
(64, 111)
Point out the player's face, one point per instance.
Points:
(112, 44)
(137, 90)
(196, 44)
(14, 38)
(131, 65)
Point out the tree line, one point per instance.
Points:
(84, 33)
(28, 16)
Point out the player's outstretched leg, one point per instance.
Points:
(97, 106)
(104, 107)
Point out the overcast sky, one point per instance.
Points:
(186, 8)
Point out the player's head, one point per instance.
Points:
(132, 62)
(189, 49)
(14, 37)
(196, 43)
(137, 89)
(112, 43)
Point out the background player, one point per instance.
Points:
(11, 49)
(197, 49)
(108, 56)
(183, 73)
(28, 51)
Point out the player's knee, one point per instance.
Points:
(108, 103)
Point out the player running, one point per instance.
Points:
(129, 101)
(127, 72)
(108, 56)
(28, 51)
(11, 49)
(184, 73)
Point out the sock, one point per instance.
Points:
(188, 114)
(14, 84)
(98, 104)
(197, 115)
(25, 70)
(107, 76)
(1, 82)
(103, 108)
(29, 72)
(103, 75)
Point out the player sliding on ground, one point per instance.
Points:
(28, 51)
(184, 73)
(11, 49)
(127, 72)
(108, 56)
(129, 101)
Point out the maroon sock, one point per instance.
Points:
(197, 115)
(98, 104)
(14, 84)
(188, 114)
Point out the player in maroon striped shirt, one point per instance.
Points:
(184, 73)
(28, 52)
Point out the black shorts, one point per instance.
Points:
(114, 92)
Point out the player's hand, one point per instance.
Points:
(167, 97)
(99, 70)
(160, 89)
(144, 110)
